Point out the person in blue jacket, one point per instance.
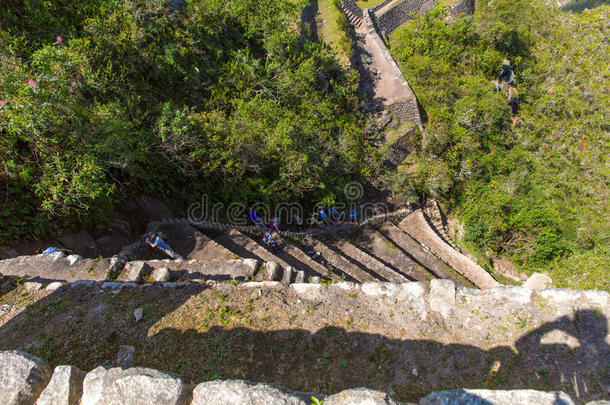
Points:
(155, 241)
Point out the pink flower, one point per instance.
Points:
(32, 83)
(2, 102)
(59, 39)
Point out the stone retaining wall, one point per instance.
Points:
(380, 5)
(462, 7)
(407, 110)
(401, 13)
(408, 9)
(26, 379)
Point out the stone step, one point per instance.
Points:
(306, 259)
(244, 246)
(192, 244)
(387, 252)
(416, 226)
(424, 257)
(182, 270)
(432, 213)
(344, 265)
(57, 267)
(381, 270)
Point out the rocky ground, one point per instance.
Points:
(397, 338)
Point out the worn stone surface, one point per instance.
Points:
(288, 275)
(32, 286)
(538, 281)
(272, 271)
(232, 392)
(135, 271)
(64, 388)
(73, 259)
(442, 296)
(133, 386)
(55, 267)
(216, 270)
(496, 397)
(22, 377)
(54, 285)
(360, 396)
(161, 274)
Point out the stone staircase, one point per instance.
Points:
(352, 12)
(395, 248)
(435, 218)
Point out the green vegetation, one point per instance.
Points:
(334, 30)
(368, 3)
(536, 192)
(222, 97)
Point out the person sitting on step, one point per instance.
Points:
(269, 241)
(334, 214)
(155, 241)
(353, 216)
(322, 215)
(296, 222)
(274, 225)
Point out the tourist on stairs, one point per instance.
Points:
(53, 249)
(274, 225)
(269, 241)
(297, 223)
(155, 241)
(255, 218)
(322, 214)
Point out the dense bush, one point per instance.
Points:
(105, 98)
(536, 192)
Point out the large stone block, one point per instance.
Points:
(22, 377)
(509, 293)
(538, 281)
(136, 270)
(232, 392)
(65, 387)
(133, 386)
(161, 274)
(360, 396)
(496, 397)
(272, 271)
(442, 296)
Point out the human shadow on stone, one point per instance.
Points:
(588, 330)
(83, 324)
(333, 359)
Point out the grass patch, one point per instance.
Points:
(331, 32)
(393, 134)
(368, 3)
